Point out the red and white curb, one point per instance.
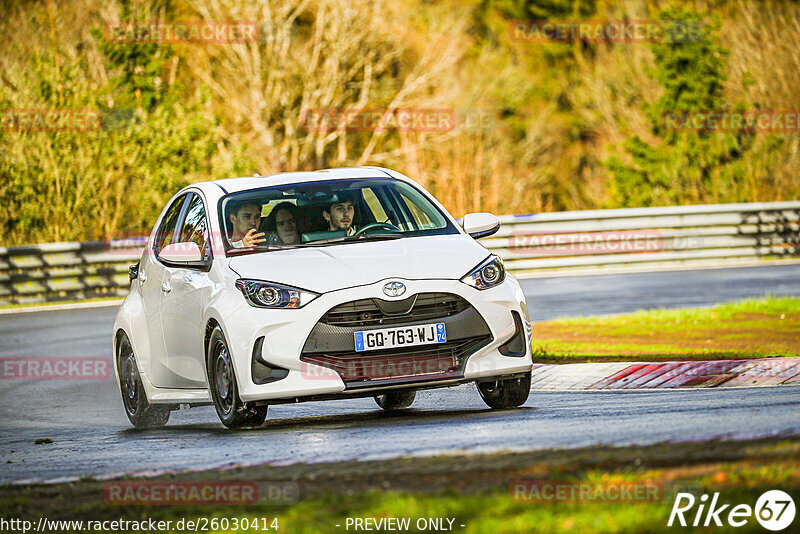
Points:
(660, 375)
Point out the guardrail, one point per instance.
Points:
(67, 271)
(619, 239)
(649, 238)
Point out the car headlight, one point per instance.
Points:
(268, 295)
(488, 274)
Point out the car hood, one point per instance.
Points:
(328, 268)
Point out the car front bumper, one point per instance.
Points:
(291, 336)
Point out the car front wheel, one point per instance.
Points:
(224, 392)
(509, 393)
(140, 412)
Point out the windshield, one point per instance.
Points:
(328, 213)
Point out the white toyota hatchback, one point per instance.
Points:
(320, 285)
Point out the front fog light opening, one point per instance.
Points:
(516, 345)
(263, 372)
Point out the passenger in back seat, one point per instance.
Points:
(281, 225)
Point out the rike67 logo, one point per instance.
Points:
(774, 510)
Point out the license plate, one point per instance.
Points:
(401, 336)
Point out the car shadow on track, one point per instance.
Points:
(349, 420)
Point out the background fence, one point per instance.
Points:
(620, 239)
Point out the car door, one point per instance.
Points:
(185, 288)
(151, 276)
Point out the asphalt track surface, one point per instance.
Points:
(91, 435)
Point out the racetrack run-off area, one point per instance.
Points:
(662, 375)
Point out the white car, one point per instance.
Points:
(305, 286)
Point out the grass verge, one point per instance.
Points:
(753, 328)
(480, 492)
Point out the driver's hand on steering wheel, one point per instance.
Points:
(383, 225)
(252, 238)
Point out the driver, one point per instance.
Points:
(245, 218)
(340, 214)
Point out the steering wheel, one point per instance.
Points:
(372, 226)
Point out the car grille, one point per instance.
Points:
(331, 342)
(376, 312)
(408, 364)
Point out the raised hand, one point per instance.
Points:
(253, 238)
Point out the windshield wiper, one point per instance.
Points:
(385, 235)
(258, 248)
(352, 238)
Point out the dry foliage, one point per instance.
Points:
(531, 134)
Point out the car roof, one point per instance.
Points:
(232, 185)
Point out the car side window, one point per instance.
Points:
(195, 225)
(166, 231)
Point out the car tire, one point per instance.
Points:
(140, 412)
(396, 400)
(503, 394)
(224, 390)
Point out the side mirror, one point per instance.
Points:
(480, 224)
(186, 252)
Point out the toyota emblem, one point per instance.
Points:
(394, 289)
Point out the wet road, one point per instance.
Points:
(91, 435)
